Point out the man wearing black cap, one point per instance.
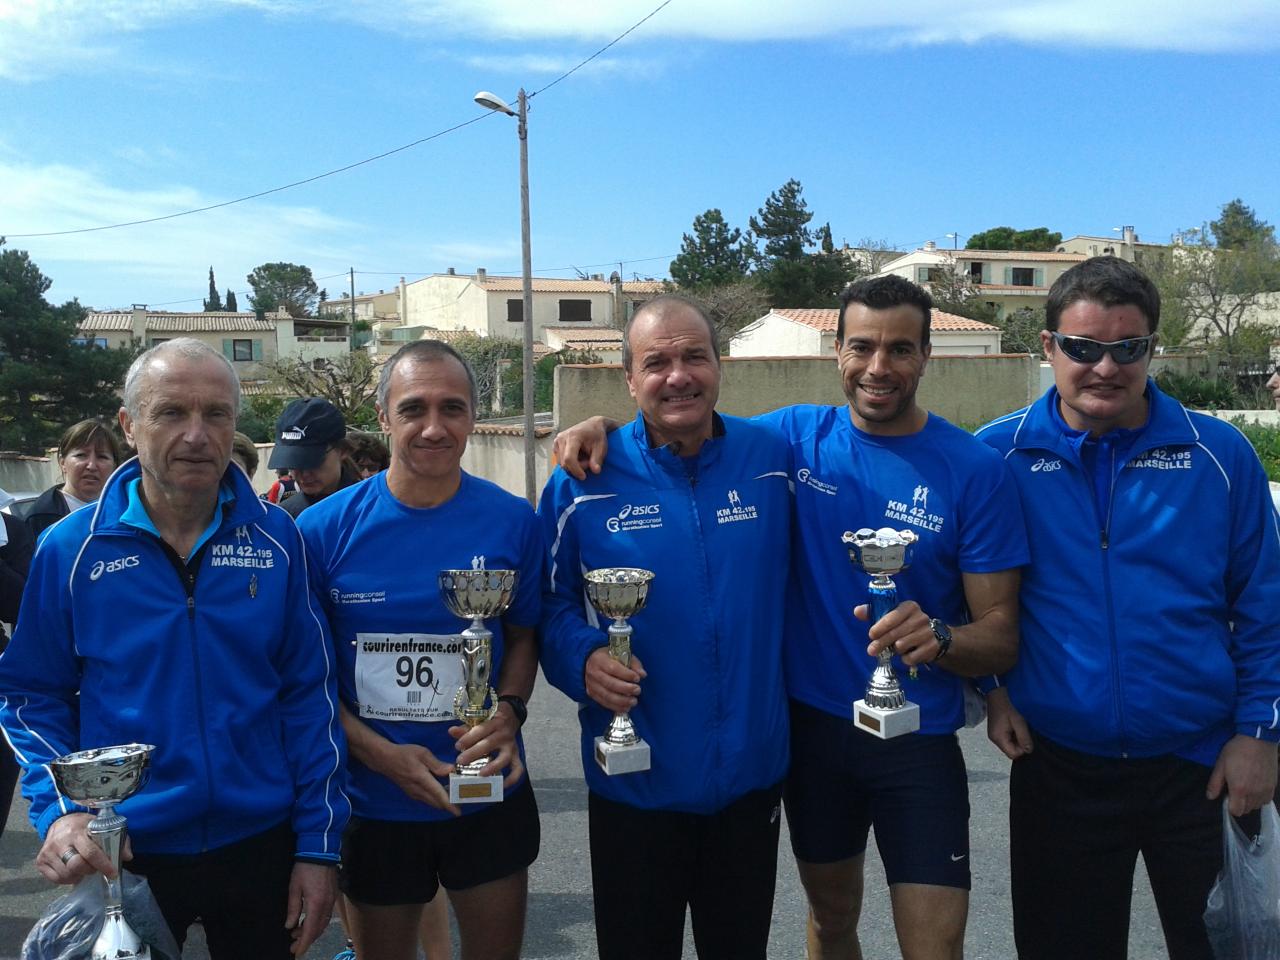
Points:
(311, 442)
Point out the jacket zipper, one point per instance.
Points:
(1116, 679)
(187, 576)
(717, 706)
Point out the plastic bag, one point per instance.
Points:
(1242, 914)
(71, 923)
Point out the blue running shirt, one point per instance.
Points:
(374, 566)
(939, 483)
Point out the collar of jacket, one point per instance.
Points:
(244, 508)
(1167, 425)
(670, 461)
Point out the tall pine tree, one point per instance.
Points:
(716, 254)
(230, 304)
(783, 223)
(214, 303)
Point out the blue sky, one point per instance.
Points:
(903, 125)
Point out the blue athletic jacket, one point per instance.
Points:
(1153, 626)
(716, 533)
(226, 668)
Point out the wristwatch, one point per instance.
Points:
(941, 633)
(518, 707)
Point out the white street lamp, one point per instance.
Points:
(492, 102)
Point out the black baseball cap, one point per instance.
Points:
(304, 433)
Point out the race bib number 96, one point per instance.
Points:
(407, 676)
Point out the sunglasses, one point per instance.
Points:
(1123, 352)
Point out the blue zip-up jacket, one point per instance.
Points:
(716, 533)
(223, 663)
(1151, 621)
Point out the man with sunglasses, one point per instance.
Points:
(1148, 678)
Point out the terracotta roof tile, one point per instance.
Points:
(552, 285)
(178, 322)
(825, 320)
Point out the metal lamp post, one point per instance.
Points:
(521, 113)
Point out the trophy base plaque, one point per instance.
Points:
(627, 758)
(465, 788)
(886, 723)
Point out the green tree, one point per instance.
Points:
(544, 372)
(1020, 330)
(953, 291)
(287, 285)
(1238, 228)
(495, 362)
(783, 223)
(1007, 238)
(349, 381)
(823, 236)
(1212, 294)
(714, 255)
(47, 380)
(212, 303)
(230, 303)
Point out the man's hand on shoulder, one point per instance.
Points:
(312, 889)
(1246, 767)
(69, 853)
(583, 446)
(610, 684)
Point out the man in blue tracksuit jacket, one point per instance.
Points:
(176, 611)
(1149, 675)
(702, 501)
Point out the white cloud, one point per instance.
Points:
(159, 261)
(40, 37)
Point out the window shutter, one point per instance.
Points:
(257, 350)
(1039, 276)
(922, 274)
(229, 349)
(986, 273)
(1008, 276)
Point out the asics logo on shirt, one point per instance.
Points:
(114, 566)
(1046, 466)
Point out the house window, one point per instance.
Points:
(1022, 277)
(155, 340)
(575, 311)
(515, 311)
(241, 349)
(99, 342)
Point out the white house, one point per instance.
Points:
(812, 333)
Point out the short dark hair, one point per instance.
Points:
(661, 304)
(1109, 281)
(368, 446)
(881, 293)
(242, 447)
(90, 433)
(423, 350)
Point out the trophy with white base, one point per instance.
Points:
(619, 592)
(475, 595)
(885, 711)
(100, 779)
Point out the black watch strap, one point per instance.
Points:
(941, 633)
(518, 707)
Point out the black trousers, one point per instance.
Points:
(240, 892)
(1077, 825)
(647, 866)
(9, 771)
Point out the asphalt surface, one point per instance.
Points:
(560, 916)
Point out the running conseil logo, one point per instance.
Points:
(635, 516)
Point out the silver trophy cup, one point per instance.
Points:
(476, 595)
(619, 592)
(100, 779)
(885, 711)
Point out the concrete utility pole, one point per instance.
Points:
(351, 324)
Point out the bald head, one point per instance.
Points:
(658, 308)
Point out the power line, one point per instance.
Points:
(329, 173)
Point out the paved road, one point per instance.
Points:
(560, 902)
